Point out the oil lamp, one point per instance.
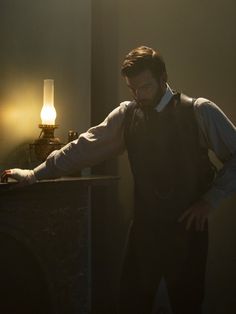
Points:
(47, 142)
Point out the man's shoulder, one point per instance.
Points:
(202, 102)
(207, 111)
(119, 112)
(124, 107)
(120, 108)
(127, 104)
(196, 102)
(204, 105)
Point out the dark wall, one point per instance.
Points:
(52, 39)
(197, 41)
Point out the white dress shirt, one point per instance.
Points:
(106, 140)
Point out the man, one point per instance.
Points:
(167, 136)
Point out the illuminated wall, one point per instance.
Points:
(40, 40)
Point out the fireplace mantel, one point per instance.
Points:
(52, 221)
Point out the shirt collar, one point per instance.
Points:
(165, 99)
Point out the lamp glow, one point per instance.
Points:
(47, 142)
(48, 113)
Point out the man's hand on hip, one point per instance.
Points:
(197, 214)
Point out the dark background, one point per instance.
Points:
(80, 44)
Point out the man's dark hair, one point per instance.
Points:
(141, 59)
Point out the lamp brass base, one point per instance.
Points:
(46, 143)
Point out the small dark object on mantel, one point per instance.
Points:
(72, 135)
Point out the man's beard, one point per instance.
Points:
(150, 103)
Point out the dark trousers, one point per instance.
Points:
(166, 250)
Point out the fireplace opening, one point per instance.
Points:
(23, 286)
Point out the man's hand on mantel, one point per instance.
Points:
(23, 176)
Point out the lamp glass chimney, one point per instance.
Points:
(48, 112)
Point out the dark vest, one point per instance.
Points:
(171, 169)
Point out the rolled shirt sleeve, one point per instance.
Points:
(106, 140)
(99, 143)
(219, 135)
